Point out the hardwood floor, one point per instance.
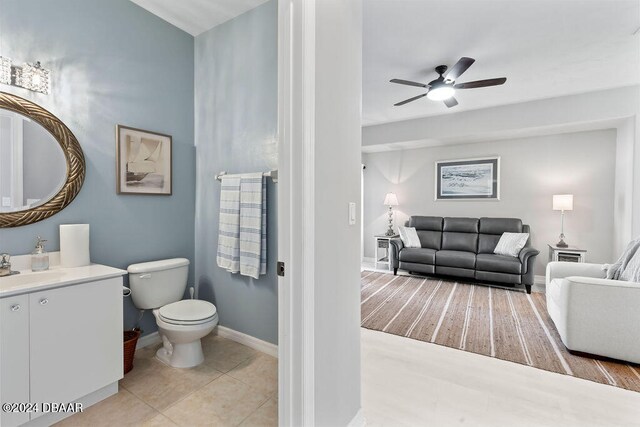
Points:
(412, 383)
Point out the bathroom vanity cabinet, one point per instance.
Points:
(60, 344)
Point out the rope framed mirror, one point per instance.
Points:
(29, 133)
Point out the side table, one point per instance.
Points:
(382, 242)
(568, 254)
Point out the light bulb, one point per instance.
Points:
(440, 93)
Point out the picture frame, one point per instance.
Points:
(144, 163)
(468, 179)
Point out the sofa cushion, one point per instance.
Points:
(430, 239)
(460, 259)
(461, 225)
(431, 223)
(498, 263)
(456, 272)
(495, 277)
(500, 225)
(467, 242)
(429, 229)
(487, 243)
(418, 255)
(416, 267)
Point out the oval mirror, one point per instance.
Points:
(42, 166)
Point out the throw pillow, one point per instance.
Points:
(615, 270)
(631, 272)
(511, 244)
(409, 237)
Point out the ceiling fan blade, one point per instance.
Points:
(450, 102)
(481, 83)
(407, 82)
(461, 66)
(406, 101)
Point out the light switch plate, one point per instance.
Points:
(352, 213)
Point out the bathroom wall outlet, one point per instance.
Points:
(352, 213)
(6, 202)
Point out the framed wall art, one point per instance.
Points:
(468, 179)
(143, 162)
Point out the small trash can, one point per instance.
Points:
(130, 341)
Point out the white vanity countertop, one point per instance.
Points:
(28, 281)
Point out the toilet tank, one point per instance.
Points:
(158, 283)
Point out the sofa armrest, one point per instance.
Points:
(598, 316)
(525, 255)
(607, 283)
(396, 246)
(560, 270)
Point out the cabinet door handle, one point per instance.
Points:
(15, 307)
(44, 301)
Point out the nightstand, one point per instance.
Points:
(568, 254)
(382, 242)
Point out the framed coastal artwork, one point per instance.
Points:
(468, 179)
(143, 162)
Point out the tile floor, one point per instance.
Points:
(235, 386)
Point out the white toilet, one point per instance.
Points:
(159, 286)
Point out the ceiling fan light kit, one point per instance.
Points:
(441, 92)
(444, 87)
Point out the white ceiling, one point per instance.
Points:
(197, 16)
(545, 48)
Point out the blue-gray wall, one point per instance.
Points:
(112, 62)
(236, 121)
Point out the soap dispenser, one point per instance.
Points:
(39, 257)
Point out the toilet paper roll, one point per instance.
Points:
(74, 245)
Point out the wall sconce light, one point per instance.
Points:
(5, 70)
(30, 76)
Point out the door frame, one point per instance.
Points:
(296, 211)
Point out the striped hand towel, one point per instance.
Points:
(253, 225)
(229, 226)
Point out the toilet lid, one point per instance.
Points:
(190, 310)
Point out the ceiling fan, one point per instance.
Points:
(444, 87)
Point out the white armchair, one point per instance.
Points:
(592, 314)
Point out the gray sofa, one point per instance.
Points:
(463, 247)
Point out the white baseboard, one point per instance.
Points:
(147, 340)
(359, 420)
(539, 280)
(248, 340)
(239, 337)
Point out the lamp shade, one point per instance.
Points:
(563, 202)
(390, 199)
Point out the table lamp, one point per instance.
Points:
(390, 200)
(562, 202)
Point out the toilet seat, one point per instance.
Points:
(188, 312)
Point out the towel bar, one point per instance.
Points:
(273, 174)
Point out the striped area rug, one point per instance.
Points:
(493, 322)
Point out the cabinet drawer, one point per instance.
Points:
(569, 257)
(383, 244)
